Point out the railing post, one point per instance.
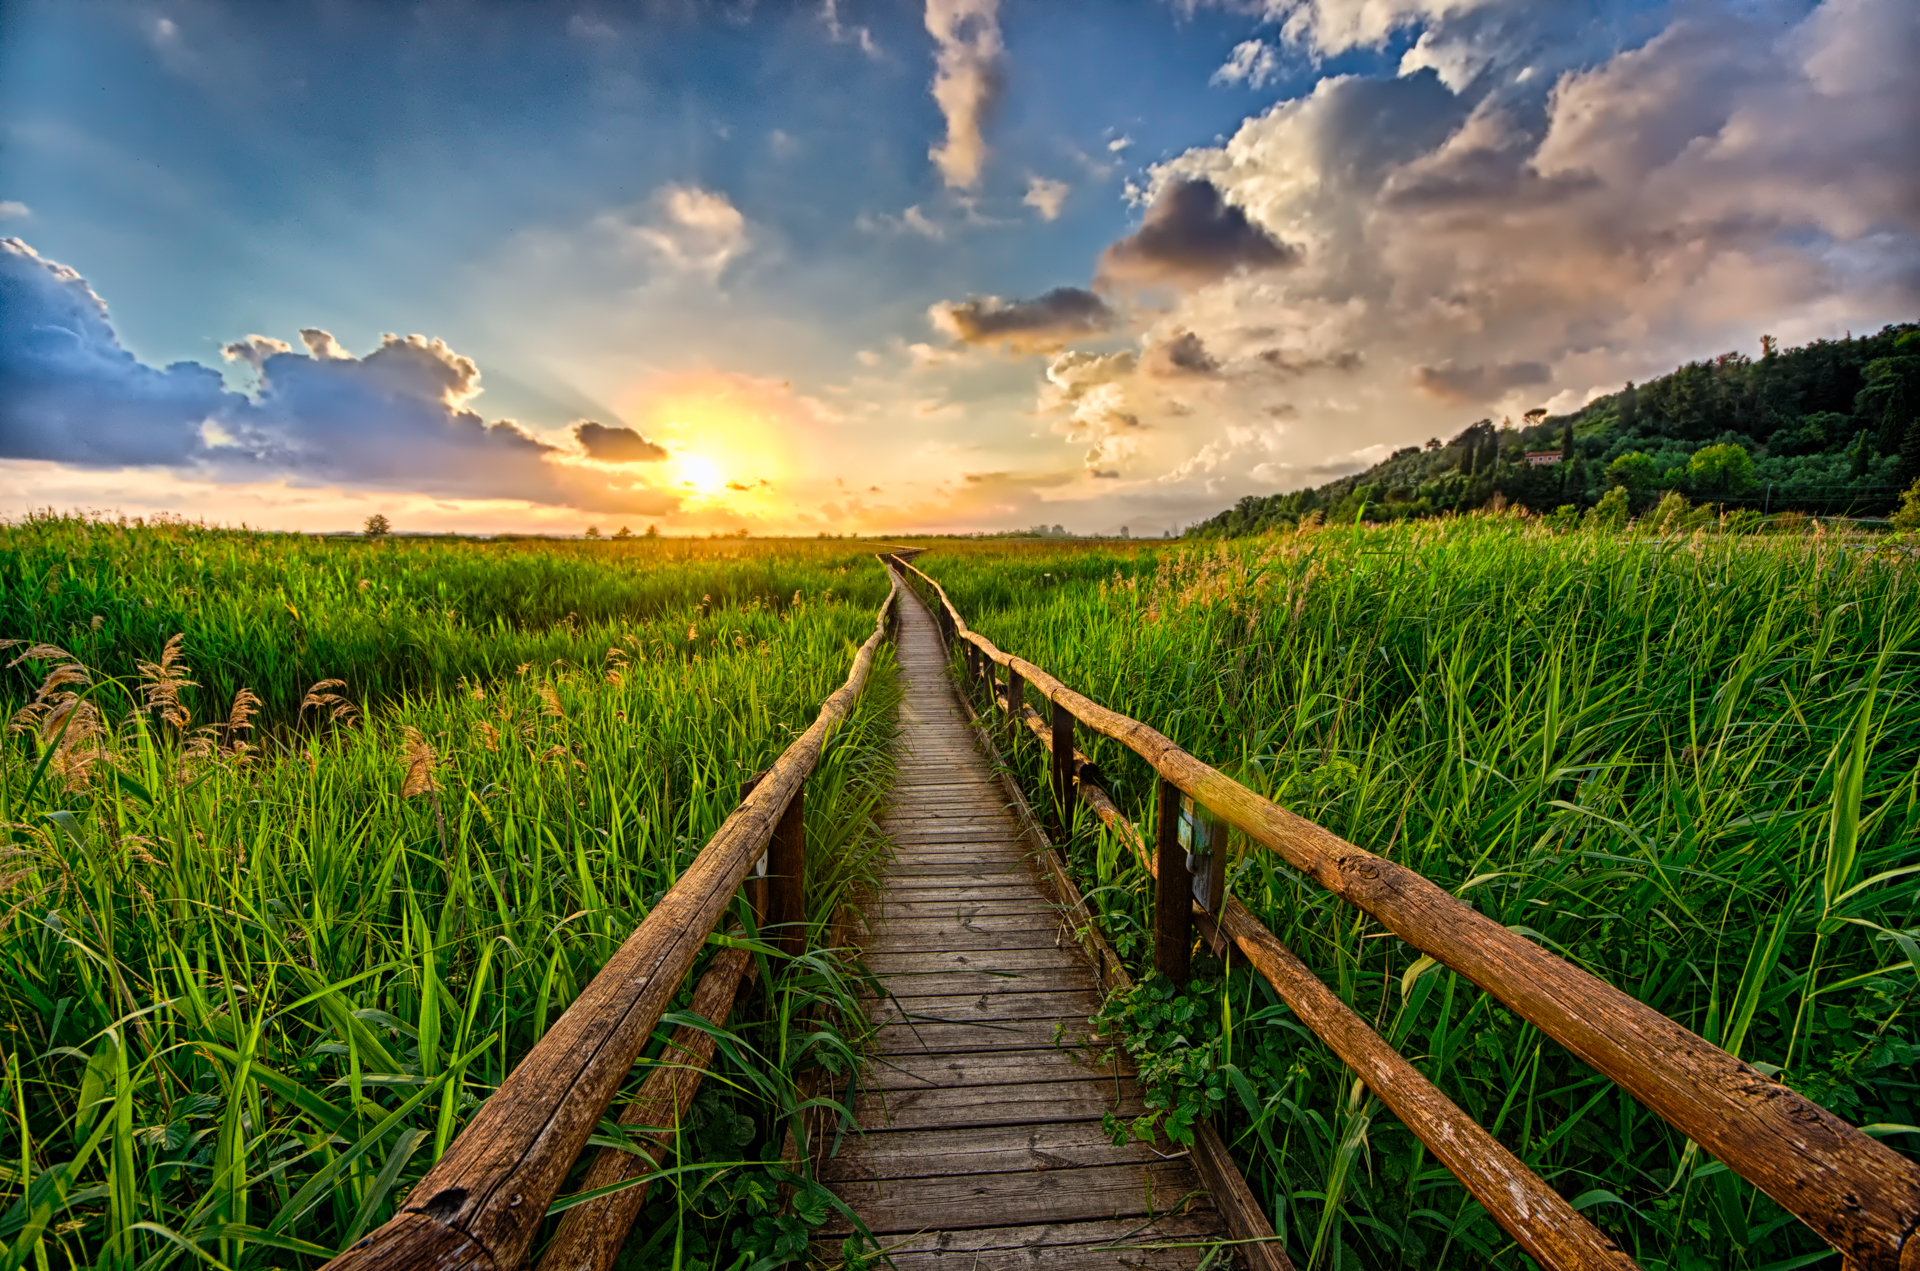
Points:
(1173, 890)
(1063, 772)
(1016, 699)
(756, 886)
(787, 872)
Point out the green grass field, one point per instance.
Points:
(286, 897)
(1687, 765)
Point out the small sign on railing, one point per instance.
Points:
(1204, 835)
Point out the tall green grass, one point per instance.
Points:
(1688, 766)
(254, 980)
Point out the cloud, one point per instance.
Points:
(694, 229)
(1252, 63)
(70, 392)
(1181, 354)
(583, 26)
(1044, 323)
(1191, 236)
(1468, 385)
(1047, 197)
(616, 445)
(397, 418)
(840, 33)
(1474, 240)
(12, 210)
(966, 83)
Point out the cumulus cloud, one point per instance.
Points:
(1047, 197)
(966, 83)
(70, 392)
(11, 209)
(1044, 323)
(1475, 240)
(616, 444)
(694, 229)
(1182, 353)
(1252, 63)
(398, 417)
(1191, 236)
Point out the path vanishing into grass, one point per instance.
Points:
(981, 1105)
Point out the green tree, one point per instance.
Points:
(1636, 471)
(653, 531)
(377, 526)
(593, 531)
(1907, 516)
(1720, 472)
(623, 533)
(1610, 513)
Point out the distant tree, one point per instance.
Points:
(1629, 406)
(1860, 456)
(593, 531)
(1611, 512)
(1720, 472)
(623, 533)
(1907, 516)
(653, 531)
(1566, 443)
(377, 526)
(1433, 443)
(1534, 416)
(1634, 472)
(1768, 346)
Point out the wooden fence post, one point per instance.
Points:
(757, 893)
(1173, 890)
(787, 871)
(1063, 799)
(1016, 701)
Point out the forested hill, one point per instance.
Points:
(1831, 427)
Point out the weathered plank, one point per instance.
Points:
(918, 1072)
(994, 1149)
(976, 1200)
(1158, 1244)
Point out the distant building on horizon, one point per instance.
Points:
(1541, 458)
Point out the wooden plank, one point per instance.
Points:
(952, 936)
(1041, 979)
(923, 1072)
(887, 909)
(979, 1200)
(933, 1037)
(1137, 1243)
(1036, 1102)
(968, 894)
(982, 1150)
(967, 923)
(962, 962)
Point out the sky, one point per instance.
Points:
(841, 266)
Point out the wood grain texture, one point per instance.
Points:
(1859, 1195)
(493, 1186)
(590, 1235)
(1162, 1243)
(981, 1105)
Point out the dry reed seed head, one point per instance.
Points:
(550, 702)
(421, 760)
(39, 653)
(96, 622)
(489, 736)
(693, 633)
(365, 583)
(163, 680)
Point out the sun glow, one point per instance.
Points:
(701, 473)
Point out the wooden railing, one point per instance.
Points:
(482, 1203)
(1860, 1196)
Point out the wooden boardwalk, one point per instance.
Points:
(982, 1146)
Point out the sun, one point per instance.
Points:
(701, 473)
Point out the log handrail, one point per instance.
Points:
(482, 1203)
(1857, 1194)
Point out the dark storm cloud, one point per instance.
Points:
(616, 445)
(1044, 323)
(1191, 236)
(1465, 384)
(398, 417)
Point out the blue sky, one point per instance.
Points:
(723, 228)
